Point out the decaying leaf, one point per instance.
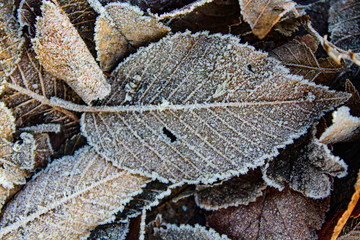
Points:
(216, 16)
(10, 38)
(345, 216)
(120, 27)
(197, 232)
(299, 57)
(64, 54)
(344, 24)
(262, 15)
(232, 192)
(306, 166)
(19, 159)
(29, 80)
(275, 215)
(199, 113)
(114, 231)
(343, 129)
(77, 193)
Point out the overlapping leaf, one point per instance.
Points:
(203, 107)
(68, 199)
(275, 215)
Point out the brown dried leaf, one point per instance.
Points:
(10, 38)
(64, 54)
(344, 128)
(238, 190)
(216, 16)
(121, 27)
(77, 193)
(27, 91)
(306, 166)
(201, 113)
(262, 15)
(113, 231)
(275, 215)
(300, 58)
(344, 24)
(197, 232)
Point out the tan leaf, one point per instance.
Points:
(343, 129)
(121, 26)
(64, 54)
(299, 57)
(275, 215)
(77, 193)
(7, 127)
(306, 166)
(197, 232)
(262, 15)
(10, 38)
(199, 113)
(232, 192)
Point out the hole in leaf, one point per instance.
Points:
(169, 134)
(249, 67)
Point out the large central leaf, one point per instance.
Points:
(200, 107)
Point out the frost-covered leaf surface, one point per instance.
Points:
(344, 24)
(275, 215)
(64, 54)
(73, 195)
(115, 231)
(10, 38)
(198, 113)
(306, 166)
(262, 15)
(174, 232)
(232, 192)
(7, 127)
(121, 27)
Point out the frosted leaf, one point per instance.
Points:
(344, 127)
(120, 27)
(27, 91)
(299, 57)
(262, 15)
(77, 193)
(238, 190)
(198, 113)
(43, 128)
(344, 24)
(197, 232)
(113, 231)
(274, 216)
(19, 159)
(306, 166)
(64, 54)
(7, 120)
(186, 7)
(10, 38)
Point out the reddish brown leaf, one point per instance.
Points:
(275, 215)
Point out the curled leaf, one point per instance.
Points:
(344, 127)
(64, 54)
(77, 193)
(199, 113)
(262, 15)
(121, 26)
